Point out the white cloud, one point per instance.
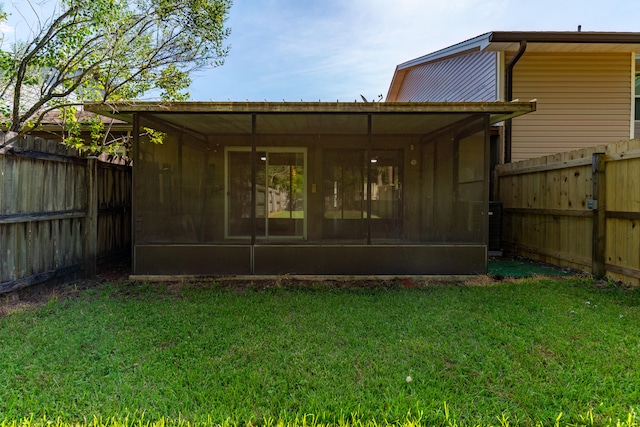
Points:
(5, 28)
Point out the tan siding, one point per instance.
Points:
(584, 100)
(470, 77)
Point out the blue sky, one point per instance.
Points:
(332, 50)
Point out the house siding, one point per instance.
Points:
(470, 77)
(584, 100)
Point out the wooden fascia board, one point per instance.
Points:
(396, 84)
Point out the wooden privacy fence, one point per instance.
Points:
(59, 211)
(579, 209)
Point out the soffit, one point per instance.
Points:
(563, 47)
(311, 118)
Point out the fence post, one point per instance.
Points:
(91, 220)
(599, 216)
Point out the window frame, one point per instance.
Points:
(266, 237)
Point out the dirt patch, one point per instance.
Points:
(113, 271)
(118, 271)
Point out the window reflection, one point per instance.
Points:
(280, 193)
(344, 184)
(346, 194)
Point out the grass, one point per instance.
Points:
(534, 352)
(287, 214)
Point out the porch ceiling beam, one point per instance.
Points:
(167, 127)
(467, 126)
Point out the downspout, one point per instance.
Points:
(509, 97)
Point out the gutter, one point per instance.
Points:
(509, 97)
(590, 37)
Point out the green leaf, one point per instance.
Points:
(110, 50)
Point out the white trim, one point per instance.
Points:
(226, 186)
(634, 95)
(478, 43)
(500, 61)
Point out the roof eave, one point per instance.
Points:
(121, 110)
(592, 37)
(396, 84)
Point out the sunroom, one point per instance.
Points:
(311, 188)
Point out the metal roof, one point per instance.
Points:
(208, 118)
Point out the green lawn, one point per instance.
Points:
(549, 352)
(287, 214)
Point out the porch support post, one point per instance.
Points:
(134, 181)
(369, 184)
(487, 178)
(254, 173)
(91, 220)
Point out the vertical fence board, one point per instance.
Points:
(91, 219)
(599, 235)
(67, 200)
(621, 205)
(612, 183)
(530, 190)
(8, 259)
(633, 241)
(615, 171)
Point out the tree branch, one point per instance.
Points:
(24, 64)
(42, 113)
